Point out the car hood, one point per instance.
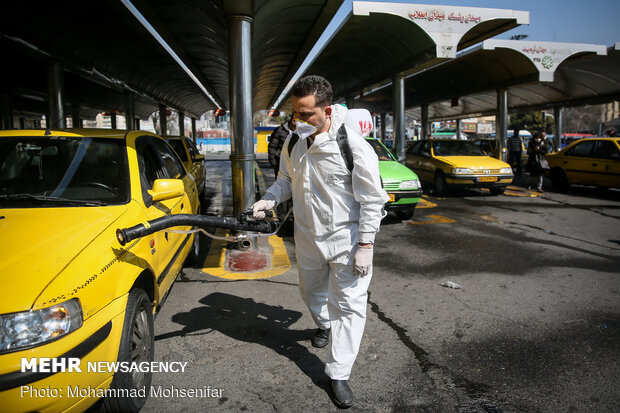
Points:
(473, 162)
(395, 171)
(38, 243)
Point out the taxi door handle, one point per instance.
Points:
(594, 164)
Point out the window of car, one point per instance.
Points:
(380, 150)
(63, 171)
(156, 160)
(456, 148)
(193, 151)
(415, 148)
(425, 149)
(606, 150)
(178, 147)
(583, 149)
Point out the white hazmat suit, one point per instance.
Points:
(333, 207)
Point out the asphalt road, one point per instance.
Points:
(534, 328)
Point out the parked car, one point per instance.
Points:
(192, 159)
(452, 164)
(590, 161)
(400, 182)
(70, 291)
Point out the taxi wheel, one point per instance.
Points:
(497, 191)
(559, 181)
(441, 187)
(137, 346)
(407, 214)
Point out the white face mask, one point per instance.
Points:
(304, 129)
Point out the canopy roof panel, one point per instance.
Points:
(105, 43)
(580, 73)
(380, 40)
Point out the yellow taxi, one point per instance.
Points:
(76, 305)
(449, 164)
(590, 161)
(192, 159)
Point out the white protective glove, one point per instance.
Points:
(362, 261)
(259, 208)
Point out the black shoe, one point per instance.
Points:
(321, 338)
(343, 396)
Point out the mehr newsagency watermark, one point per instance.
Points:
(58, 365)
(152, 391)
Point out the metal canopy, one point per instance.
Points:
(106, 51)
(494, 64)
(537, 75)
(380, 40)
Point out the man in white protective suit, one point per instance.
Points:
(338, 209)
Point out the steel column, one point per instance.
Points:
(6, 110)
(350, 101)
(398, 147)
(501, 122)
(75, 116)
(56, 98)
(130, 112)
(113, 120)
(383, 116)
(424, 121)
(137, 120)
(194, 130)
(458, 129)
(557, 137)
(181, 124)
(242, 134)
(162, 119)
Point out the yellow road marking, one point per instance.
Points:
(425, 203)
(436, 219)
(214, 263)
(518, 191)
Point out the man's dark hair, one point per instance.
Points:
(314, 85)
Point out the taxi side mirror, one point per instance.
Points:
(198, 158)
(164, 189)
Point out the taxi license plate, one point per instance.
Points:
(487, 179)
(392, 197)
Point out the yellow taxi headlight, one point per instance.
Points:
(461, 171)
(505, 171)
(32, 328)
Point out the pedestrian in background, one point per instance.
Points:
(514, 145)
(337, 213)
(276, 140)
(536, 161)
(547, 141)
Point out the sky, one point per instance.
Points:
(572, 21)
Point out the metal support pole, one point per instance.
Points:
(130, 112)
(424, 121)
(557, 137)
(22, 123)
(242, 134)
(181, 124)
(137, 124)
(194, 130)
(458, 129)
(75, 116)
(350, 101)
(56, 104)
(113, 120)
(162, 119)
(7, 112)
(383, 127)
(398, 147)
(501, 122)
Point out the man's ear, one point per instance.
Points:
(328, 111)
